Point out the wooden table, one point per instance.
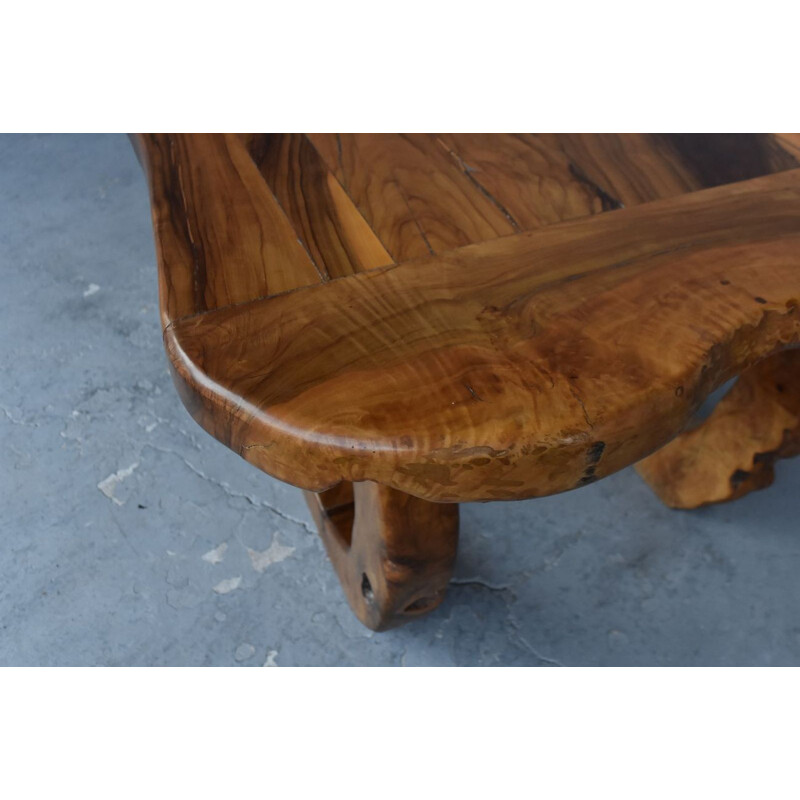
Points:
(399, 323)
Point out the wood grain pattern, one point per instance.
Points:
(221, 236)
(242, 217)
(623, 169)
(416, 199)
(734, 451)
(337, 237)
(535, 184)
(533, 179)
(629, 169)
(523, 366)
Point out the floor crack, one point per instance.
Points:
(233, 493)
(482, 584)
(532, 650)
(507, 590)
(9, 416)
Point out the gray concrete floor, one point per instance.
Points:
(131, 537)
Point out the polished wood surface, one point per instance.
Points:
(523, 366)
(472, 317)
(414, 195)
(413, 186)
(339, 240)
(634, 168)
(221, 236)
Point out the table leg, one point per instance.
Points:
(734, 451)
(394, 553)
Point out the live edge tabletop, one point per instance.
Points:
(399, 323)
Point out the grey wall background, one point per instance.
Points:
(130, 537)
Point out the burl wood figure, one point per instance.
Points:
(399, 323)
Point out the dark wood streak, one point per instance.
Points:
(530, 182)
(633, 168)
(719, 158)
(607, 202)
(185, 218)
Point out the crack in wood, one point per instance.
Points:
(608, 202)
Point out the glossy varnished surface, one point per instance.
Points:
(338, 238)
(434, 192)
(543, 355)
(221, 237)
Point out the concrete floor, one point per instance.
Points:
(130, 537)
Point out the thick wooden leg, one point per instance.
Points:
(734, 450)
(394, 553)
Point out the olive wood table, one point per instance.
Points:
(399, 323)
